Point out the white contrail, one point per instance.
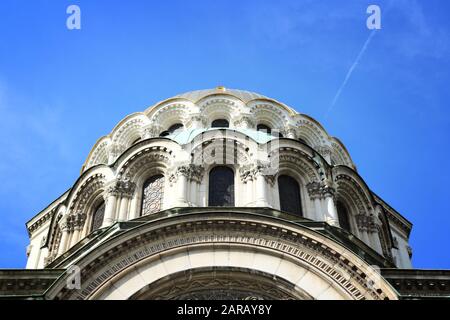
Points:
(350, 71)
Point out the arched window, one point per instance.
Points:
(220, 123)
(97, 218)
(164, 133)
(264, 128)
(289, 191)
(343, 216)
(221, 187)
(152, 195)
(175, 127)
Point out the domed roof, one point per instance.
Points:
(197, 95)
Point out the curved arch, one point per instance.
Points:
(98, 153)
(303, 283)
(311, 131)
(129, 129)
(269, 114)
(167, 115)
(297, 160)
(220, 147)
(289, 247)
(228, 283)
(346, 178)
(340, 155)
(154, 152)
(90, 183)
(217, 107)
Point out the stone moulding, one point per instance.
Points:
(154, 239)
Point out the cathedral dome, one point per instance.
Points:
(227, 176)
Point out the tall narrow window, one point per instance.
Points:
(342, 212)
(220, 123)
(221, 187)
(152, 195)
(289, 191)
(97, 218)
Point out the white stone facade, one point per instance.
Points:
(120, 164)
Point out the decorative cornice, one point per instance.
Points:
(230, 231)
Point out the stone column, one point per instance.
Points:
(179, 179)
(261, 190)
(110, 207)
(125, 189)
(313, 189)
(78, 224)
(331, 216)
(363, 223)
(65, 226)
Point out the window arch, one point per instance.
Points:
(264, 128)
(289, 191)
(220, 123)
(343, 216)
(221, 187)
(97, 217)
(152, 195)
(171, 129)
(175, 127)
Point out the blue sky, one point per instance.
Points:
(60, 90)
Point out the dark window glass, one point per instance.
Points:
(221, 187)
(175, 127)
(152, 195)
(343, 216)
(171, 130)
(220, 123)
(289, 191)
(264, 128)
(97, 218)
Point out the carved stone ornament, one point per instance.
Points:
(191, 171)
(320, 190)
(366, 223)
(122, 188)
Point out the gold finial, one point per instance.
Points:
(221, 88)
